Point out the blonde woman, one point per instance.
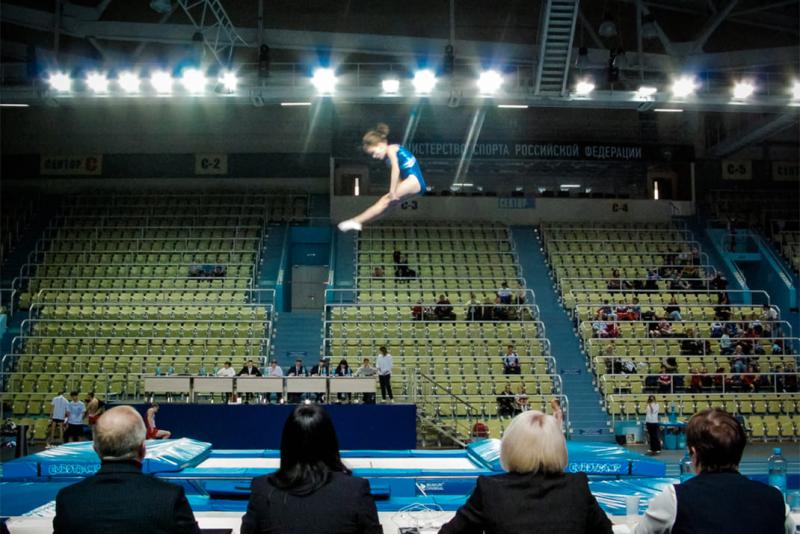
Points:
(406, 176)
(535, 495)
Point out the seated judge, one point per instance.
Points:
(535, 495)
(119, 498)
(312, 491)
(719, 498)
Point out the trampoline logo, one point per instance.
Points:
(72, 469)
(596, 468)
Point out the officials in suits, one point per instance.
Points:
(535, 495)
(249, 370)
(296, 370)
(718, 498)
(119, 498)
(312, 491)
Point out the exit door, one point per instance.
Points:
(308, 286)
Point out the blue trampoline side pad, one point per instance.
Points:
(73, 460)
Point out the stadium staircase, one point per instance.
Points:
(587, 418)
(298, 335)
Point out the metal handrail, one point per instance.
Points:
(703, 322)
(560, 229)
(545, 342)
(639, 266)
(86, 253)
(677, 291)
(17, 281)
(653, 358)
(787, 342)
(643, 376)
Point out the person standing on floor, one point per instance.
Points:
(651, 422)
(384, 364)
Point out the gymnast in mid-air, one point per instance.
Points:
(406, 177)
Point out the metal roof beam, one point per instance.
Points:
(763, 130)
(711, 26)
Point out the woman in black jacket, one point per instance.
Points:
(312, 491)
(535, 495)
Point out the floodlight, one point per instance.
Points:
(424, 81)
(60, 81)
(646, 91)
(391, 86)
(683, 86)
(583, 88)
(229, 81)
(489, 82)
(129, 81)
(97, 82)
(796, 90)
(161, 82)
(742, 90)
(193, 80)
(324, 79)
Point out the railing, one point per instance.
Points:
(635, 292)
(17, 282)
(27, 269)
(251, 296)
(144, 221)
(586, 326)
(746, 382)
(789, 344)
(27, 326)
(191, 255)
(544, 342)
(704, 282)
(592, 306)
(613, 364)
(340, 296)
(608, 267)
(7, 296)
(539, 325)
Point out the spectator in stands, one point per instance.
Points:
(718, 498)
(535, 494)
(487, 311)
(219, 271)
(417, 311)
(396, 257)
(615, 282)
(707, 380)
(651, 420)
(672, 310)
(605, 313)
(367, 371)
(153, 432)
(664, 381)
(474, 310)
(670, 363)
(719, 282)
(790, 380)
(719, 378)
(379, 272)
(275, 370)
(725, 344)
(723, 308)
(58, 417)
(716, 330)
(405, 271)
(119, 498)
(195, 271)
(500, 311)
(696, 382)
(76, 410)
(777, 347)
(383, 363)
(521, 399)
(651, 283)
(312, 491)
(444, 309)
(677, 283)
(296, 370)
(504, 293)
(635, 309)
(511, 362)
(505, 401)
(738, 360)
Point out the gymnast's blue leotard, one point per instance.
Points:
(409, 165)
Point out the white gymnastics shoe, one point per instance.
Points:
(348, 225)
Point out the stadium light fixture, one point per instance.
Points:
(194, 81)
(129, 82)
(570, 186)
(324, 79)
(60, 81)
(742, 90)
(683, 86)
(424, 81)
(391, 86)
(668, 110)
(161, 81)
(295, 104)
(796, 90)
(5, 105)
(489, 82)
(229, 81)
(97, 82)
(512, 106)
(584, 88)
(646, 91)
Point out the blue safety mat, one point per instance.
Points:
(589, 458)
(79, 460)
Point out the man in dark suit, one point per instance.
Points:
(249, 369)
(296, 370)
(119, 498)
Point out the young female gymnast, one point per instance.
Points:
(406, 177)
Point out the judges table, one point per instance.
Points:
(194, 385)
(391, 522)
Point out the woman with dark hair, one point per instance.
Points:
(312, 491)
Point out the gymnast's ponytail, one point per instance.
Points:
(377, 135)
